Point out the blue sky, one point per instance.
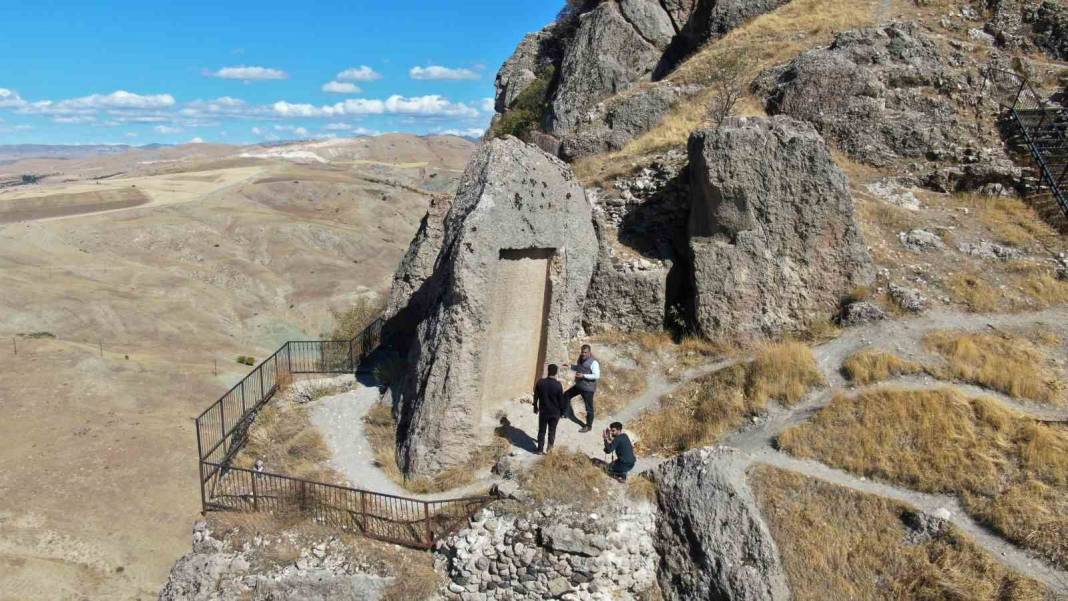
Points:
(75, 72)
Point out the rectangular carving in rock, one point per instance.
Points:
(515, 341)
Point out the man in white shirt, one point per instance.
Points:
(587, 373)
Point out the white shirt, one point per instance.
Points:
(595, 371)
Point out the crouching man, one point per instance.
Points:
(615, 441)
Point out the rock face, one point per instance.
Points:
(1028, 24)
(410, 290)
(712, 541)
(772, 233)
(890, 94)
(608, 50)
(513, 197)
(553, 553)
(217, 570)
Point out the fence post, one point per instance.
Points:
(352, 356)
(244, 410)
(289, 358)
(222, 422)
(200, 470)
(255, 494)
(363, 509)
(426, 521)
(263, 393)
(303, 496)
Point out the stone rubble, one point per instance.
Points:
(908, 299)
(554, 553)
(921, 240)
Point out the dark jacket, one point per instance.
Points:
(623, 449)
(549, 398)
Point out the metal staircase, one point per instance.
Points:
(1037, 128)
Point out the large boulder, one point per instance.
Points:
(773, 239)
(521, 68)
(713, 542)
(410, 294)
(512, 197)
(607, 55)
(893, 95)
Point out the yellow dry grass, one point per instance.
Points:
(769, 39)
(784, 371)
(700, 412)
(975, 292)
(566, 477)
(1010, 220)
(869, 365)
(381, 429)
(283, 437)
(1004, 362)
(1009, 471)
(841, 545)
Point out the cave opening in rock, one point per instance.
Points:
(519, 311)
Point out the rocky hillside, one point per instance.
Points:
(835, 326)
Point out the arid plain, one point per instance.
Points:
(129, 284)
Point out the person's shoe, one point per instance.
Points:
(584, 429)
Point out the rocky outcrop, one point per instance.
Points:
(606, 51)
(1049, 24)
(410, 292)
(280, 567)
(892, 95)
(553, 553)
(1029, 25)
(773, 239)
(521, 68)
(512, 197)
(712, 541)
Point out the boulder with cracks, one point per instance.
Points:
(773, 238)
(512, 198)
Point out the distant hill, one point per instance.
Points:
(15, 152)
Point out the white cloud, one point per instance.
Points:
(10, 99)
(197, 140)
(166, 129)
(74, 119)
(116, 102)
(341, 87)
(257, 131)
(439, 72)
(131, 134)
(488, 105)
(300, 131)
(471, 132)
(433, 105)
(249, 73)
(361, 73)
(355, 130)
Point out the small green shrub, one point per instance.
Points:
(243, 360)
(525, 113)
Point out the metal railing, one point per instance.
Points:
(1038, 125)
(221, 432)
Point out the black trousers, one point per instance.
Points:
(587, 399)
(620, 470)
(546, 424)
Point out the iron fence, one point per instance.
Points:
(391, 518)
(221, 431)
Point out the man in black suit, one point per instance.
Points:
(550, 405)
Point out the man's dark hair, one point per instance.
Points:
(553, 369)
(616, 426)
(586, 347)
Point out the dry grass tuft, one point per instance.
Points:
(283, 437)
(837, 543)
(381, 431)
(1010, 220)
(972, 290)
(640, 487)
(1009, 471)
(1004, 362)
(869, 365)
(784, 371)
(350, 322)
(618, 387)
(566, 477)
(700, 412)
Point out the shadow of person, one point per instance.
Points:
(517, 437)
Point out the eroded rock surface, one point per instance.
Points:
(772, 231)
(278, 567)
(712, 541)
(513, 196)
(891, 94)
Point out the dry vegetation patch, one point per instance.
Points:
(380, 429)
(567, 477)
(1004, 362)
(1009, 471)
(283, 437)
(839, 544)
(870, 365)
(700, 412)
